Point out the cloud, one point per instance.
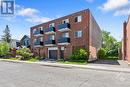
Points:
(123, 11)
(90, 1)
(30, 14)
(38, 19)
(27, 12)
(113, 4)
(120, 7)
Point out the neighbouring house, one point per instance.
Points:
(58, 38)
(126, 40)
(25, 41)
(14, 43)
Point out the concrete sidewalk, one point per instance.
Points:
(88, 66)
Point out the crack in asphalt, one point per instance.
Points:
(81, 84)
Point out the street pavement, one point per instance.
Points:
(13, 74)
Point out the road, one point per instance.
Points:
(35, 75)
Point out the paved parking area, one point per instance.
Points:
(35, 75)
(111, 63)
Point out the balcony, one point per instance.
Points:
(49, 30)
(38, 44)
(49, 42)
(64, 27)
(38, 33)
(63, 40)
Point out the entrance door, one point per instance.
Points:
(62, 54)
(53, 54)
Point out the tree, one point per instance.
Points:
(7, 36)
(4, 48)
(101, 53)
(110, 44)
(25, 53)
(108, 40)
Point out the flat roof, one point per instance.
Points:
(60, 17)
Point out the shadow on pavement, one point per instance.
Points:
(108, 62)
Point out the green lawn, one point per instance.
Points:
(30, 60)
(33, 60)
(82, 62)
(13, 58)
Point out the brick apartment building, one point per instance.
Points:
(126, 40)
(60, 37)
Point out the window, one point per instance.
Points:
(34, 40)
(41, 39)
(52, 25)
(78, 19)
(34, 30)
(65, 21)
(78, 34)
(40, 28)
(65, 34)
(51, 37)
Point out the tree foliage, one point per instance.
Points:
(110, 44)
(4, 48)
(108, 40)
(101, 53)
(7, 36)
(25, 53)
(80, 54)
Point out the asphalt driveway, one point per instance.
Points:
(34, 75)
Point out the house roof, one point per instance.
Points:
(24, 37)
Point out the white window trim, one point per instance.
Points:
(52, 24)
(65, 33)
(41, 39)
(34, 30)
(79, 18)
(34, 40)
(77, 34)
(66, 21)
(52, 37)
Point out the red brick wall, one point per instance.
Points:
(124, 41)
(95, 38)
(74, 42)
(127, 39)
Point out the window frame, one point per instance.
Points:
(65, 21)
(78, 34)
(51, 37)
(78, 19)
(34, 30)
(65, 35)
(52, 25)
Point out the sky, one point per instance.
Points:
(109, 14)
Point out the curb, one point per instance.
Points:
(128, 63)
(113, 69)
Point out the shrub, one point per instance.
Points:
(25, 53)
(101, 53)
(4, 48)
(113, 53)
(80, 54)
